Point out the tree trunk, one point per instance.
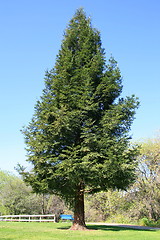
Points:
(43, 204)
(79, 216)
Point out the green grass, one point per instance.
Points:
(58, 231)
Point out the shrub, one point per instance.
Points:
(144, 222)
(149, 223)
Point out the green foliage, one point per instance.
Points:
(150, 223)
(146, 190)
(78, 138)
(103, 205)
(3, 210)
(111, 206)
(144, 222)
(120, 218)
(17, 198)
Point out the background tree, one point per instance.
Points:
(146, 191)
(104, 205)
(5, 177)
(78, 138)
(17, 198)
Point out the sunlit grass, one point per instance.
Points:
(58, 231)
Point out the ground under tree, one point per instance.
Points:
(78, 138)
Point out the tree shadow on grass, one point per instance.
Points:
(116, 228)
(64, 228)
(112, 228)
(108, 228)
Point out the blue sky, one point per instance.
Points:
(31, 34)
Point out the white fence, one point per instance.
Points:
(28, 218)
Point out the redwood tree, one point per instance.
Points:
(78, 139)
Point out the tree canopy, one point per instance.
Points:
(78, 139)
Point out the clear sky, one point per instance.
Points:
(31, 33)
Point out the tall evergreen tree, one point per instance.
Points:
(78, 139)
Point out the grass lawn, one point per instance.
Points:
(58, 231)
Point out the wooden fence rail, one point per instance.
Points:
(28, 218)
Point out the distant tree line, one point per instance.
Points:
(18, 198)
